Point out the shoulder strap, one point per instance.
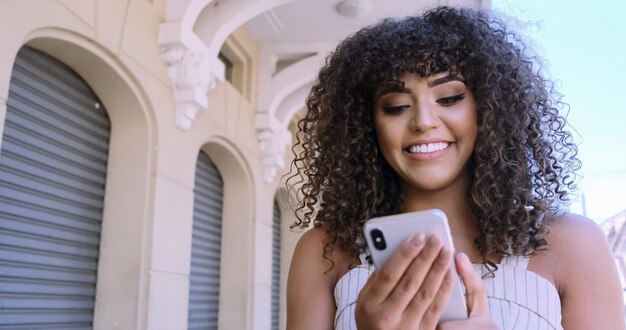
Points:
(517, 261)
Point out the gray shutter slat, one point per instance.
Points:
(46, 258)
(34, 140)
(45, 187)
(204, 277)
(46, 302)
(213, 202)
(37, 63)
(44, 317)
(44, 112)
(62, 134)
(48, 83)
(209, 228)
(39, 88)
(47, 244)
(51, 289)
(205, 259)
(275, 306)
(52, 174)
(49, 201)
(206, 250)
(23, 168)
(57, 326)
(41, 272)
(42, 221)
(42, 159)
(211, 214)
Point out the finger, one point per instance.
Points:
(413, 278)
(416, 285)
(384, 279)
(438, 283)
(476, 299)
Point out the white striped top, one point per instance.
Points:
(518, 298)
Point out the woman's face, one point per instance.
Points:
(427, 131)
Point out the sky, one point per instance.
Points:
(583, 44)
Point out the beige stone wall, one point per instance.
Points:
(146, 239)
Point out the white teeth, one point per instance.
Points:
(431, 147)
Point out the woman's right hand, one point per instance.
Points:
(477, 306)
(410, 290)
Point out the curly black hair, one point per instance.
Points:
(523, 163)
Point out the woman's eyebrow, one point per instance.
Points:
(391, 90)
(443, 80)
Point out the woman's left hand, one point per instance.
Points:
(478, 309)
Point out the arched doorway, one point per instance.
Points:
(206, 244)
(53, 165)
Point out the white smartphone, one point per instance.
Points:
(384, 234)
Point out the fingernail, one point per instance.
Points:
(417, 239)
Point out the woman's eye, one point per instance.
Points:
(450, 100)
(395, 109)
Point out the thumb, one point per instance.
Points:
(475, 291)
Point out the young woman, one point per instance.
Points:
(443, 110)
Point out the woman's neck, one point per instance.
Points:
(456, 208)
(453, 201)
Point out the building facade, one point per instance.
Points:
(142, 148)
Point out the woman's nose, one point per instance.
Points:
(424, 117)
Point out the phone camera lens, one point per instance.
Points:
(378, 239)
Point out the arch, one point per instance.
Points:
(180, 17)
(186, 12)
(237, 232)
(52, 172)
(286, 93)
(291, 105)
(187, 54)
(216, 23)
(206, 243)
(127, 194)
(274, 88)
(232, 163)
(292, 78)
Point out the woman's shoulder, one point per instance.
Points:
(570, 232)
(311, 282)
(575, 244)
(584, 271)
(309, 252)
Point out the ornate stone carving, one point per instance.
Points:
(193, 75)
(274, 141)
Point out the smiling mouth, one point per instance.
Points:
(426, 148)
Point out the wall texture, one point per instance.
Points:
(143, 273)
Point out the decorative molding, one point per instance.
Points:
(191, 70)
(274, 21)
(215, 25)
(193, 75)
(192, 34)
(274, 139)
(281, 94)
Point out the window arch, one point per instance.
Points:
(53, 165)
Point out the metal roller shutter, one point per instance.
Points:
(275, 266)
(53, 164)
(204, 277)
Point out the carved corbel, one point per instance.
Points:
(274, 141)
(193, 75)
